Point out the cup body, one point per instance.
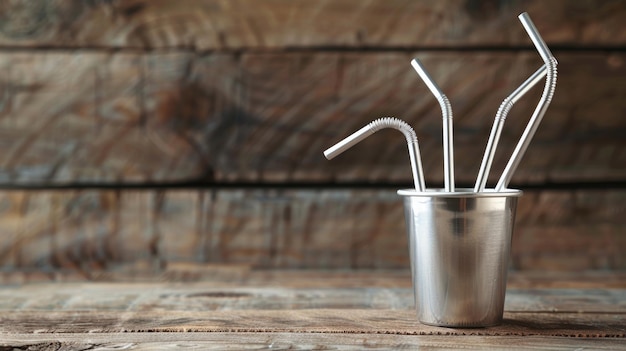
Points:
(460, 245)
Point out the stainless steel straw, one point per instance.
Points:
(373, 127)
(542, 106)
(446, 114)
(498, 123)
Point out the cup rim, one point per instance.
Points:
(460, 193)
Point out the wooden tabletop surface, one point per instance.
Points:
(304, 309)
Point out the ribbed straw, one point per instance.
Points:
(498, 124)
(373, 127)
(392, 122)
(542, 106)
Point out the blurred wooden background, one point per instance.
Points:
(154, 137)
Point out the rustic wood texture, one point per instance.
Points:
(351, 321)
(280, 315)
(282, 295)
(245, 24)
(97, 93)
(298, 341)
(96, 233)
(236, 276)
(93, 117)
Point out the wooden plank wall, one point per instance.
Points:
(141, 133)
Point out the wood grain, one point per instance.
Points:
(140, 92)
(305, 321)
(243, 24)
(299, 341)
(103, 234)
(280, 315)
(237, 276)
(127, 118)
(277, 294)
(114, 308)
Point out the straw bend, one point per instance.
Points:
(446, 115)
(542, 106)
(498, 124)
(373, 127)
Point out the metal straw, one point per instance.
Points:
(446, 114)
(542, 106)
(498, 123)
(373, 127)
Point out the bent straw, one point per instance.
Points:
(498, 123)
(373, 127)
(542, 106)
(446, 114)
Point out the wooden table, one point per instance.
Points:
(304, 309)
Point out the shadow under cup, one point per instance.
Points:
(460, 244)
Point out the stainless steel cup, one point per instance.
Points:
(460, 245)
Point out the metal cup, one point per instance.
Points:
(460, 244)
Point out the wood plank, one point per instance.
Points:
(145, 315)
(94, 114)
(304, 341)
(206, 296)
(305, 321)
(93, 118)
(564, 279)
(237, 276)
(103, 234)
(243, 24)
(400, 278)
